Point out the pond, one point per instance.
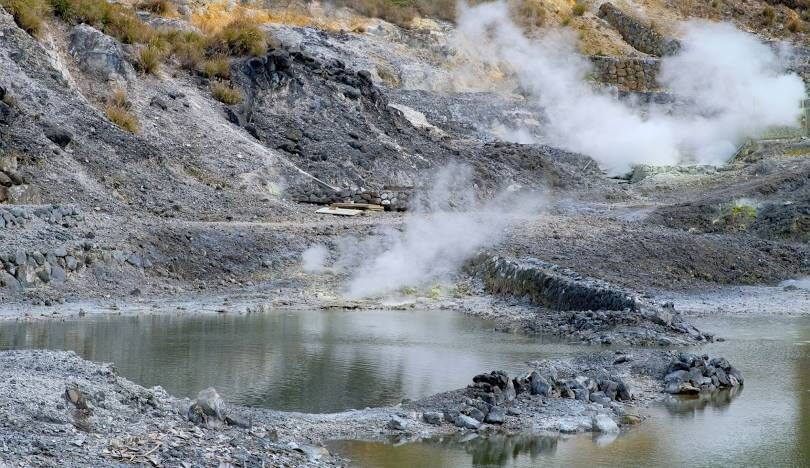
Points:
(766, 424)
(305, 360)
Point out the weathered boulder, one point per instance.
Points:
(538, 385)
(433, 417)
(496, 415)
(466, 422)
(99, 54)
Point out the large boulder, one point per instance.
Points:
(99, 54)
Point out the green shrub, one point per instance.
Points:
(579, 8)
(225, 94)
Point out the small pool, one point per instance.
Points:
(306, 360)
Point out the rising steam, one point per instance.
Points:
(446, 225)
(735, 87)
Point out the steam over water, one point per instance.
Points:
(735, 86)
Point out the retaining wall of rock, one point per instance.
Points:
(30, 268)
(391, 198)
(631, 74)
(642, 37)
(548, 285)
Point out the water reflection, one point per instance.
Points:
(766, 423)
(499, 450)
(309, 360)
(688, 405)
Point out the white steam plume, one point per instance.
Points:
(735, 85)
(445, 227)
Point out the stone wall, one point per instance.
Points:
(391, 198)
(548, 285)
(642, 37)
(631, 74)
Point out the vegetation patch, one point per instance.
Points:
(28, 14)
(148, 59)
(217, 67)
(118, 111)
(158, 7)
(225, 94)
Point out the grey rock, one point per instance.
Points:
(57, 274)
(604, 424)
(99, 54)
(396, 423)
(211, 403)
(496, 415)
(538, 385)
(466, 422)
(433, 417)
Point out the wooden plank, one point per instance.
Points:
(338, 211)
(359, 206)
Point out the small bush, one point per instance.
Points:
(768, 15)
(217, 67)
(158, 7)
(28, 14)
(225, 94)
(148, 59)
(241, 36)
(579, 9)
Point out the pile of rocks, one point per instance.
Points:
(692, 374)
(643, 38)
(62, 215)
(13, 188)
(391, 198)
(489, 398)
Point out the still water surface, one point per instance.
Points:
(309, 360)
(767, 424)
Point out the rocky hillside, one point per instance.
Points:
(163, 147)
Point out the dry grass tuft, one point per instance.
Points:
(148, 59)
(241, 36)
(225, 94)
(118, 111)
(794, 24)
(579, 8)
(217, 67)
(158, 7)
(530, 13)
(28, 14)
(768, 15)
